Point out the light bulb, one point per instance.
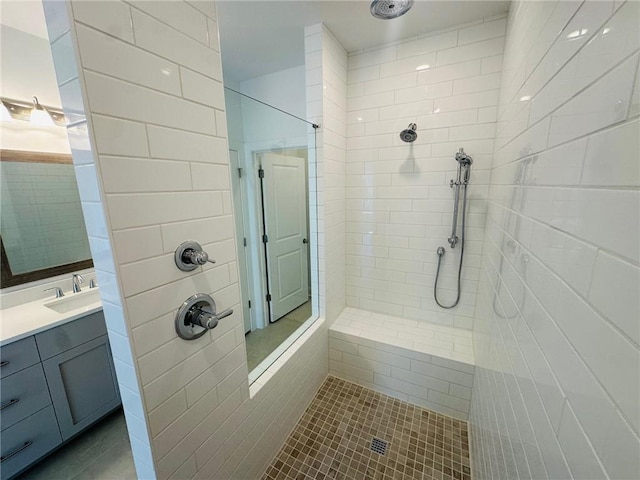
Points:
(5, 115)
(39, 116)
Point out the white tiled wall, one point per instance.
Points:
(556, 331)
(42, 224)
(153, 156)
(326, 75)
(399, 204)
(421, 363)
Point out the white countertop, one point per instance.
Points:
(34, 317)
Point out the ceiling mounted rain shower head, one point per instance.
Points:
(388, 9)
(409, 135)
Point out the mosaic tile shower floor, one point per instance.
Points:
(333, 440)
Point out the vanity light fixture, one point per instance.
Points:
(34, 112)
(39, 116)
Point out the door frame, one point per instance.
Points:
(238, 175)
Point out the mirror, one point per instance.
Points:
(42, 230)
(272, 157)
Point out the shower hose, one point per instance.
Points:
(440, 255)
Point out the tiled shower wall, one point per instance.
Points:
(326, 74)
(152, 165)
(34, 195)
(399, 203)
(556, 327)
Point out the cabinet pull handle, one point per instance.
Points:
(4, 363)
(16, 451)
(9, 403)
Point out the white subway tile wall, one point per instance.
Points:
(556, 329)
(399, 205)
(68, 68)
(326, 82)
(160, 175)
(42, 224)
(424, 364)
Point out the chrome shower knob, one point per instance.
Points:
(190, 255)
(195, 257)
(197, 315)
(205, 319)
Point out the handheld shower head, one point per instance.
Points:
(462, 158)
(409, 135)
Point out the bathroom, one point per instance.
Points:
(534, 373)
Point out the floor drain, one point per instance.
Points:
(378, 446)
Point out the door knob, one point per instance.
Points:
(190, 255)
(304, 240)
(197, 315)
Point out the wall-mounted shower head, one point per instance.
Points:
(409, 135)
(388, 9)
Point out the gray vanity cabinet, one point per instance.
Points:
(54, 385)
(83, 385)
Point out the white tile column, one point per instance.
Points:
(141, 84)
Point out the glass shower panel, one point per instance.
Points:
(272, 156)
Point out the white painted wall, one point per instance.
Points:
(27, 71)
(556, 327)
(399, 203)
(151, 155)
(326, 75)
(284, 90)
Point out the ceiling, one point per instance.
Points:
(24, 15)
(264, 36)
(259, 37)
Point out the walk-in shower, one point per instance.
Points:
(461, 181)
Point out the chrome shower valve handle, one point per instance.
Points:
(189, 255)
(197, 315)
(196, 257)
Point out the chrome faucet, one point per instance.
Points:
(59, 292)
(76, 280)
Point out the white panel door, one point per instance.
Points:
(285, 205)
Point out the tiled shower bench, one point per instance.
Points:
(425, 364)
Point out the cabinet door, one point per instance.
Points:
(83, 385)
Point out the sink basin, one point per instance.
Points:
(75, 301)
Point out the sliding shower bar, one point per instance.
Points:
(464, 167)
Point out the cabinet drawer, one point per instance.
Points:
(27, 441)
(63, 338)
(23, 394)
(18, 355)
